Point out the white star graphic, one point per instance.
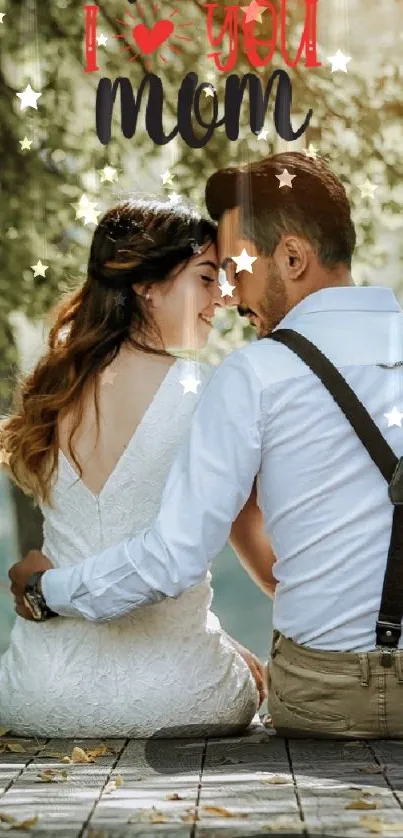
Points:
(254, 12)
(311, 151)
(109, 175)
(226, 289)
(209, 91)
(39, 269)
(339, 61)
(2, 16)
(26, 144)
(102, 40)
(262, 135)
(367, 189)
(244, 262)
(394, 418)
(190, 384)
(285, 179)
(86, 209)
(167, 178)
(29, 98)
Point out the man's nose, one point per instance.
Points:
(227, 299)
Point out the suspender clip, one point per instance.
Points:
(387, 635)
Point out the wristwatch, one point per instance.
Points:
(34, 599)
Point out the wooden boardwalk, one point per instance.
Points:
(250, 785)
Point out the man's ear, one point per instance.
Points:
(295, 257)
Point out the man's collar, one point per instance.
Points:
(344, 298)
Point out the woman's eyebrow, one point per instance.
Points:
(210, 265)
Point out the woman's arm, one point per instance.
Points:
(252, 546)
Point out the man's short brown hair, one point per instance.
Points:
(316, 207)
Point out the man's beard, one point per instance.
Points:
(274, 303)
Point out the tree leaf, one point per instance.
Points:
(276, 780)
(360, 803)
(174, 796)
(218, 810)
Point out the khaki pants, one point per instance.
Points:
(329, 695)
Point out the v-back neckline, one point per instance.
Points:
(153, 402)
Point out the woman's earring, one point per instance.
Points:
(148, 296)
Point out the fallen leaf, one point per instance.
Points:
(190, 816)
(218, 810)
(51, 775)
(99, 751)
(372, 769)
(362, 804)
(4, 730)
(79, 755)
(372, 824)
(15, 748)
(114, 784)
(67, 759)
(174, 796)
(158, 817)
(28, 823)
(277, 780)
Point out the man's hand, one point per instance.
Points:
(19, 574)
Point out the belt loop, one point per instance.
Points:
(364, 666)
(398, 656)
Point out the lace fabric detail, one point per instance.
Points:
(167, 666)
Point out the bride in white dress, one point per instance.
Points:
(152, 283)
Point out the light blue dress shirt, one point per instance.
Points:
(324, 503)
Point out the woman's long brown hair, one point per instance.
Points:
(136, 244)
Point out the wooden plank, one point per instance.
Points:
(248, 778)
(153, 771)
(62, 808)
(331, 777)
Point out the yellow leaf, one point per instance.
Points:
(277, 780)
(28, 823)
(371, 823)
(158, 817)
(174, 796)
(15, 748)
(114, 784)
(67, 759)
(79, 755)
(99, 751)
(5, 818)
(50, 775)
(4, 730)
(218, 810)
(362, 804)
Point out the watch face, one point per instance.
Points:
(33, 606)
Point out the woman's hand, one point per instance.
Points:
(256, 667)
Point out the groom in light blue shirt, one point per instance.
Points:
(286, 241)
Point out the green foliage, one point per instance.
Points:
(356, 126)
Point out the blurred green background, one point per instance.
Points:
(356, 127)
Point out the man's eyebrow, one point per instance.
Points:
(210, 265)
(226, 262)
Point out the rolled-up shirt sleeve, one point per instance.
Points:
(208, 484)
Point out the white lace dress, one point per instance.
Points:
(165, 669)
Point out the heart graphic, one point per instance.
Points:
(148, 40)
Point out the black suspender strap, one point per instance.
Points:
(388, 626)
